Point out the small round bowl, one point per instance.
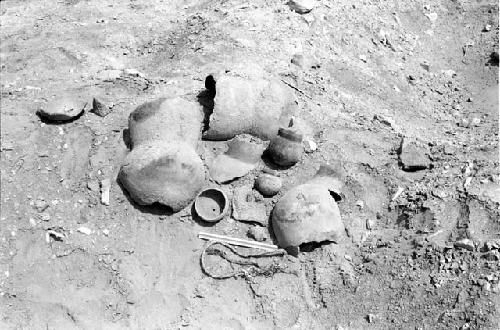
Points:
(211, 205)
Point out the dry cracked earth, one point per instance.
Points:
(422, 248)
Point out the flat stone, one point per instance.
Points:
(246, 208)
(413, 156)
(109, 75)
(41, 205)
(62, 109)
(386, 120)
(100, 108)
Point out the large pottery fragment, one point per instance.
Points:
(171, 174)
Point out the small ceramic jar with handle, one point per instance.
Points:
(286, 148)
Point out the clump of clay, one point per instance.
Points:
(169, 120)
(254, 105)
(307, 213)
(171, 174)
(242, 156)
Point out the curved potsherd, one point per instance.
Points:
(171, 174)
(307, 213)
(62, 109)
(255, 106)
(241, 157)
(173, 119)
(331, 177)
(211, 204)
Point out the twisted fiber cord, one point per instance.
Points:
(254, 268)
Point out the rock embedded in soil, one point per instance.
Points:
(413, 156)
(268, 185)
(257, 233)
(62, 109)
(246, 208)
(494, 58)
(169, 174)
(302, 6)
(41, 205)
(100, 108)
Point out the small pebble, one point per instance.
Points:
(475, 121)
(84, 230)
(487, 28)
(45, 217)
(41, 205)
(370, 224)
(432, 17)
(301, 6)
(310, 146)
(100, 108)
(257, 233)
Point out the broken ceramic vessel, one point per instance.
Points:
(169, 120)
(171, 174)
(331, 177)
(286, 148)
(307, 213)
(63, 109)
(242, 156)
(253, 105)
(211, 205)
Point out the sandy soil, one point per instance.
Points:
(372, 73)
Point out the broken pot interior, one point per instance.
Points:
(211, 205)
(307, 213)
(171, 174)
(256, 106)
